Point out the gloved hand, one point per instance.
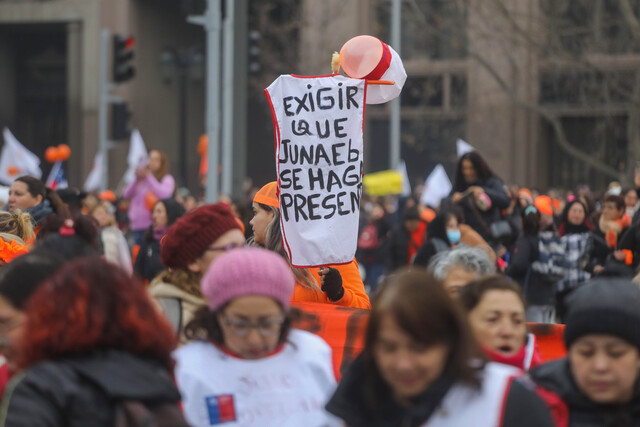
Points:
(332, 283)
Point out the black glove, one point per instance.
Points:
(332, 285)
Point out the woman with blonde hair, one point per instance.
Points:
(338, 284)
(17, 223)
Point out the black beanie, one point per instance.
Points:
(604, 306)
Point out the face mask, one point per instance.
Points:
(453, 236)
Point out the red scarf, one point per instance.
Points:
(518, 359)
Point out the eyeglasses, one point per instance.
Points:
(226, 248)
(242, 328)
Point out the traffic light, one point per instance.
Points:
(253, 51)
(122, 55)
(120, 115)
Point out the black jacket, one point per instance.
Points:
(556, 377)
(148, 264)
(499, 200)
(601, 254)
(537, 291)
(81, 391)
(522, 407)
(398, 249)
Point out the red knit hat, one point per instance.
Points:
(188, 238)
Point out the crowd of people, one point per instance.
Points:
(154, 308)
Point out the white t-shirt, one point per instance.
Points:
(466, 406)
(289, 388)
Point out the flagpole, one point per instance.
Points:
(394, 131)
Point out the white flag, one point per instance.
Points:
(437, 186)
(16, 160)
(94, 180)
(137, 156)
(463, 147)
(406, 185)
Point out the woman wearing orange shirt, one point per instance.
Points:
(335, 284)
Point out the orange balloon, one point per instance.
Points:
(150, 200)
(360, 55)
(202, 144)
(13, 170)
(63, 152)
(52, 154)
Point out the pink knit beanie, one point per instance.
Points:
(248, 271)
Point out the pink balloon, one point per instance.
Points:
(360, 55)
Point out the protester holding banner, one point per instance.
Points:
(191, 244)
(164, 213)
(420, 366)
(249, 367)
(459, 266)
(334, 284)
(496, 312)
(480, 193)
(152, 182)
(597, 383)
(30, 195)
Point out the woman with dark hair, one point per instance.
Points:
(153, 182)
(443, 233)
(249, 366)
(164, 213)
(68, 238)
(539, 293)
(495, 309)
(597, 384)
(574, 230)
(18, 280)
(30, 195)
(419, 366)
(605, 253)
(336, 284)
(92, 342)
(480, 193)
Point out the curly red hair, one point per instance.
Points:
(89, 305)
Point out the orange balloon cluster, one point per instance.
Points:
(57, 154)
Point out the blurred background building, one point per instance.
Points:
(547, 90)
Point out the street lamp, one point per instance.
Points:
(188, 64)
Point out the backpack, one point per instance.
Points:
(368, 238)
(550, 264)
(133, 413)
